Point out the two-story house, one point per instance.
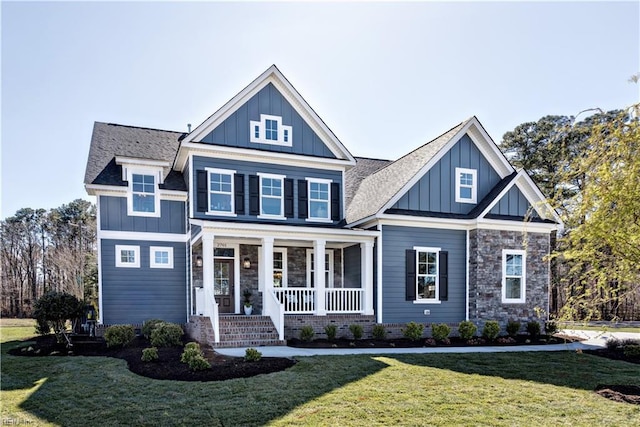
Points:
(263, 197)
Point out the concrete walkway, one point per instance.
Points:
(592, 340)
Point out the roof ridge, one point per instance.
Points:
(138, 127)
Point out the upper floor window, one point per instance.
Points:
(271, 196)
(160, 257)
(319, 197)
(143, 197)
(466, 185)
(270, 130)
(513, 276)
(220, 190)
(127, 256)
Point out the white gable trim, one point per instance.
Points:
(274, 76)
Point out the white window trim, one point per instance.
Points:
(320, 181)
(262, 128)
(233, 207)
(474, 186)
(272, 176)
(329, 252)
(152, 256)
(128, 176)
(136, 256)
(285, 280)
(435, 300)
(523, 281)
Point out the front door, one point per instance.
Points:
(223, 285)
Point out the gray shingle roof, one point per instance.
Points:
(354, 176)
(380, 187)
(110, 140)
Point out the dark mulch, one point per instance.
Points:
(620, 393)
(615, 354)
(167, 367)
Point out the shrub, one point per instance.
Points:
(513, 327)
(413, 331)
(491, 330)
(167, 335)
(440, 332)
(252, 355)
(379, 332)
(307, 333)
(613, 343)
(467, 329)
(149, 325)
(198, 363)
(550, 327)
(53, 309)
(533, 328)
(119, 335)
(192, 356)
(356, 331)
(149, 354)
(331, 331)
(632, 351)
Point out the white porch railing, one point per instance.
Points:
(337, 300)
(214, 317)
(275, 310)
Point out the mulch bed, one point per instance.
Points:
(620, 393)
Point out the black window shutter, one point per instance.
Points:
(238, 183)
(202, 188)
(303, 199)
(411, 275)
(335, 201)
(444, 275)
(288, 198)
(254, 195)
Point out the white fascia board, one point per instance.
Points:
(106, 190)
(466, 224)
(142, 236)
(121, 160)
(539, 202)
(274, 76)
(524, 226)
(488, 147)
(173, 195)
(251, 155)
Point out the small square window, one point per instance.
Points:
(160, 257)
(127, 256)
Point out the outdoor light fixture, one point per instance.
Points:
(246, 263)
(198, 261)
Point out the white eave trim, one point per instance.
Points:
(120, 160)
(142, 236)
(122, 191)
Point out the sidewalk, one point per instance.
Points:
(593, 340)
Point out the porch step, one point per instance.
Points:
(240, 331)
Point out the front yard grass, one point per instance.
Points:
(429, 389)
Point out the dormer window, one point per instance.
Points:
(143, 178)
(143, 193)
(270, 130)
(466, 185)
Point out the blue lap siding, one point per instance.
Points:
(133, 295)
(395, 241)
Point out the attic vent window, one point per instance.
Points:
(270, 130)
(466, 185)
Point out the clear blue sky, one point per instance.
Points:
(385, 77)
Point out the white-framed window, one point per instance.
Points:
(319, 199)
(270, 130)
(280, 267)
(427, 274)
(514, 275)
(271, 196)
(160, 257)
(127, 256)
(220, 187)
(142, 197)
(328, 268)
(466, 185)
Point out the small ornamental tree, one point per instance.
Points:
(54, 309)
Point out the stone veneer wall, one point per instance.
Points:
(485, 276)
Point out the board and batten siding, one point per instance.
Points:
(253, 168)
(133, 295)
(113, 217)
(435, 191)
(514, 203)
(352, 274)
(234, 131)
(395, 241)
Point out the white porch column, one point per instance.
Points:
(366, 275)
(266, 269)
(207, 273)
(318, 276)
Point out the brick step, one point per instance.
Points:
(249, 343)
(239, 331)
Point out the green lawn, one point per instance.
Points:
(613, 327)
(432, 389)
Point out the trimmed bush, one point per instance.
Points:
(148, 326)
(466, 329)
(192, 356)
(119, 335)
(551, 327)
(149, 354)
(440, 332)
(167, 335)
(252, 355)
(513, 327)
(379, 332)
(53, 309)
(331, 330)
(632, 351)
(307, 333)
(356, 331)
(491, 330)
(198, 363)
(533, 328)
(413, 331)
(613, 343)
